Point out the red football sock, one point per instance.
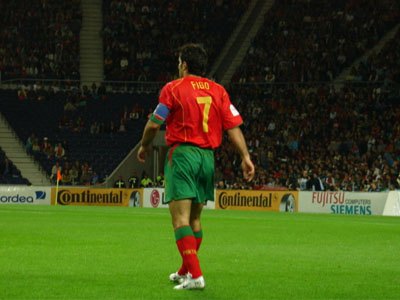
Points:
(187, 247)
(199, 238)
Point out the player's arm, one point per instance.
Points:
(150, 130)
(149, 133)
(236, 136)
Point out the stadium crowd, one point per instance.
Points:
(140, 35)
(40, 39)
(302, 134)
(55, 153)
(304, 41)
(317, 136)
(322, 136)
(380, 68)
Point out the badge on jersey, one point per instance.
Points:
(234, 111)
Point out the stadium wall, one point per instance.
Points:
(329, 202)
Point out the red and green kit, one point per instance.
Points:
(196, 111)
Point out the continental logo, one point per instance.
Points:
(66, 197)
(259, 200)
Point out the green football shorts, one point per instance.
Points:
(189, 174)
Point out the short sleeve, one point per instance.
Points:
(166, 96)
(230, 115)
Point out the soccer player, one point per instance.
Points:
(196, 111)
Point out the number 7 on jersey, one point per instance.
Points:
(207, 104)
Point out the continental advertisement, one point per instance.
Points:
(285, 201)
(96, 197)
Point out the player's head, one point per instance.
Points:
(192, 60)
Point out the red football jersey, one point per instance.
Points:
(199, 111)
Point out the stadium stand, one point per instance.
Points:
(301, 128)
(314, 40)
(88, 128)
(349, 134)
(348, 137)
(380, 68)
(139, 36)
(40, 39)
(304, 131)
(9, 173)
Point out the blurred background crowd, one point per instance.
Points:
(305, 129)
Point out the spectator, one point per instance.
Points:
(160, 180)
(66, 177)
(29, 144)
(47, 148)
(74, 174)
(55, 168)
(315, 183)
(119, 183)
(94, 180)
(59, 151)
(146, 181)
(133, 181)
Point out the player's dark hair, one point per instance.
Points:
(195, 57)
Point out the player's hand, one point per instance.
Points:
(248, 169)
(142, 153)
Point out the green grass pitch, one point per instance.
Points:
(60, 252)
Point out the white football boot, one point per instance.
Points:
(175, 277)
(191, 284)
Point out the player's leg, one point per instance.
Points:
(204, 186)
(195, 224)
(205, 191)
(196, 280)
(185, 240)
(181, 169)
(195, 214)
(180, 213)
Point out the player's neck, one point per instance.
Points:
(191, 75)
